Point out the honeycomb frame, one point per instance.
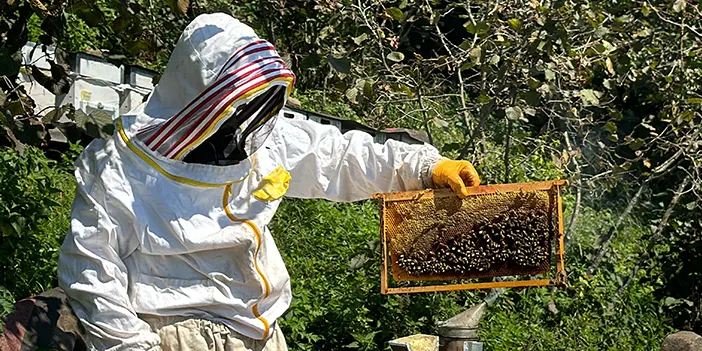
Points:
(554, 266)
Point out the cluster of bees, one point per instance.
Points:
(518, 238)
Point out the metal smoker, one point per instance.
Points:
(458, 333)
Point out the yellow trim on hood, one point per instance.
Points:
(156, 166)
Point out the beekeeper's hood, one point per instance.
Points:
(218, 97)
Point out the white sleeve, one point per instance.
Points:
(324, 163)
(91, 272)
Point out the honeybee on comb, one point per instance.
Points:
(433, 236)
(487, 233)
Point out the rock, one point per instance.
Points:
(42, 322)
(682, 341)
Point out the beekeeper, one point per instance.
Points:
(168, 246)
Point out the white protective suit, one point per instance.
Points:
(152, 235)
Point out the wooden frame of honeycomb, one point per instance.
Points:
(499, 230)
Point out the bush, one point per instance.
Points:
(35, 203)
(331, 252)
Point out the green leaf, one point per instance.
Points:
(139, 46)
(610, 127)
(449, 147)
(514, 23)
(695, 101)
(17, 228)
(340, 64)
(550, 75)
(352, 345)
(396, 13)
(483, 98)
(440, 123)
(360, 39)
(691, 206)
(515, 113)
(687, 116)
(533, 98)
(7, 303)
(476, 54)
(624, 19)
(467, 65)
(396, 56)
(352, 94)
(358, 261)
(669, 301)
(466, 44)
(679, 5)
(590, 97)
(121, 23)
(51, 202)
(601, 31)
(636, 144)
(96, 125)
(479, 28)
(645, 10)
(10, 63)
(92, 15)
(54, 115)
(495, 59)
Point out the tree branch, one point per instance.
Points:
(606, 239)
(578, 195)
(424, 114)
(507, 141)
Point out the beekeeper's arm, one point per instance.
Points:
(91, 272)
(324, 163)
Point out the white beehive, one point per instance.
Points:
(32, 54)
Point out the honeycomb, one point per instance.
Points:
(486, 235)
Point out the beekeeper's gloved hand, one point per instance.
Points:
(455, 174)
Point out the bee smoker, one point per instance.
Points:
(460, 332)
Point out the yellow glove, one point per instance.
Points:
(455, 174)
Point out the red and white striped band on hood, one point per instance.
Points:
(250, 72)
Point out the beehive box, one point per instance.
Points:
(499, 230)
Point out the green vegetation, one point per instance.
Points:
(36, 202)
(331, 251)
(603, 93)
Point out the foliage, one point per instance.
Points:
(604, 93)
(336, 289)
(7, 302)
(680, 262)
(35, 206)
(331, 252)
